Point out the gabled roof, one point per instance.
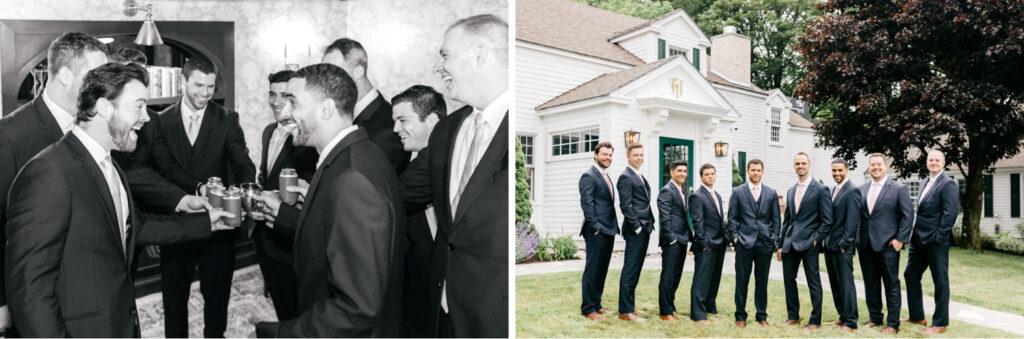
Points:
(667, 17)
(719, 80)
(798, 120)
(604, 84)
(575, 27)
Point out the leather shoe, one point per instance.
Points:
(810, 327)
(890, 330)
(843, 328)
(741, 324)
(921, 322)
(594, 316)
(631, 317)
(872, 325)
(668, 317)
(837, 322)
(602, 311)
(934, 330)
(764, 323)
(792, 322)
(705, 321)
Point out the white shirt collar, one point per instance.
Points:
(933, 177)
(840, 185)
(494, 112)
(64, 119)
(187, 112)
(758, 185)
(96, 150)
(334, 142)
(806, 182)
(707, 188)
(599, 169)
(364, 102)
(881, 182)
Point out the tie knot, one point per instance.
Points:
(479, 118)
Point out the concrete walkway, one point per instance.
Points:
(1008, 322)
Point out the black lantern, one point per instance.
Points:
(632, 137)
(721, 149)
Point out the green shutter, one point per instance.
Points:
(988, 196)
(1015, 195)
(743, 165)
(661, 49)
(696, 58)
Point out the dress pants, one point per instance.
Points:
(598, 255)
(790, 266)
(672, 259)
(281, 282)
(936, 259)
(215, 258)
(707, 275)
(877, 268)
(636, 252)
(840, 279)
(758, 258)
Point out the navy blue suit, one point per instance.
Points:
(635, 202)
(929, 247)
(754, 227)
(597, 198)
(709, 243)
(800, 231)
(890, 219)
(839, 249)
(674, 234)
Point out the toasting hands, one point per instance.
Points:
(193, 204)
(217, 220)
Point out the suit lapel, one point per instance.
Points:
(99, 183)
(597, 174)
(345, 142)
(707, 194)
(264, 156)
(177, 139)
(46, 120)
(807, 191)
(492, 159)
(448, 142)
(130, 222)
(286, 149)
(367, 113)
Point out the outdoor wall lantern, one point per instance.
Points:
(721, 149)
(632, 137)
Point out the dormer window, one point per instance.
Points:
(673, 51)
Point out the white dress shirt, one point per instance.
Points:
(186, 117)
(838, 187)
(277, 138)
(102, 158)
(928, 188)
(364, 101)
(755, 191)
(64, 119)
(334, 142)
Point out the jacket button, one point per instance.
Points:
(451, 247)
(438, 285)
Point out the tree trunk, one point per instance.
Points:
(971, 201)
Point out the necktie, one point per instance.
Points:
(872, 196)
(799, 196)
(193, 128)
(476, 134)
(608, 182)
(927, 188)
(835, 192)
(714, 197)
(114, 182)
(275, 147)
(756, 194)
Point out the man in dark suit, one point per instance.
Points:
(463, 173)
(840, 245)
(200, 139)
(373, 112)
(754, 225)
(674, 234)
(886, 218)
(808, 221)
(416, 111)
(937, 208)
(43, 121)
(349, 235)
(72, 224)
(637, 225)
(274, 250)
(600, 225)
(709, 243)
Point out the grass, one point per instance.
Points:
(991, 280)
(548, 305)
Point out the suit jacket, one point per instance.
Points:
(891, 217)
(303, 160)
(475, 264)
(673, 216)
(349, 247)
(598, 202)
(845, 219)
(750, 220)
(812, 223)
(219, 149)
(23, 133)
(635, 201)
(153, 193)
(937, 211)
(376, 120)
(67, 271)
(422, 301)
(708, 223)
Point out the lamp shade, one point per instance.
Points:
(148, 35)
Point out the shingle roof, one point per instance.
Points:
(603, 84)
(797, 120)
(645, 24)
(575, 27)
(1014, 161)
(719, 80)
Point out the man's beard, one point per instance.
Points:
(121, 134)
(303, 133)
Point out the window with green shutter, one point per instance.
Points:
(1015, 195)
(742, 164)
(661, 49)
(988, 196)
(696, 58)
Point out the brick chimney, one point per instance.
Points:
(730, 55)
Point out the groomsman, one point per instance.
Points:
(886, 218)
(937, 208)
(709, 243)
(754, 225)
(840, 245)
(600, 225)
(637, 224)
(808, 221)
(675, 233)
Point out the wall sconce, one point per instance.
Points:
(148, 34)
(721, 149)
(631, 137)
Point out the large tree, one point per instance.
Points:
(911, 75)
(524, 209)
(638, 8)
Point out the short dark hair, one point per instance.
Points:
(68, 50)
(345, 46)
(280, 76)
(803, 154)
(841, 162)
(755, 161)
(198, 63)
(425, 101)
(333, 83)
(677, 163)
(488, 29)
(106, 81)
(127, 55)
(608, 145)
(707, 166)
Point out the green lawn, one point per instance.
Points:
(991, 280)
(548, 305)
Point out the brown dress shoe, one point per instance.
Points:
(890, 330)
(934, 330)
(837, 322)
(843, 328)
(594, 316)
(764, 323)
(921, 322)
(792, 322)
(810, 327)
(602, 311)
(631, 317)
(705, 321)
(668, 317)
(741, 324)
(872, 325)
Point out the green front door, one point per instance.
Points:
(672, 150)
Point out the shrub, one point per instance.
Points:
(527, 241)
(1010, 244)
(544, 252)
(1020, 230)
(564, 248)
(523, 206)
(988, 241)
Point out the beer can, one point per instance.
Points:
(233, 204)
(215, 195)
(287, 179)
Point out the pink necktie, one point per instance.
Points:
(872, 196)
(609, 184)
(799, 196)
(715, 198)
(927, 189)
(756, 195)
(835, 192)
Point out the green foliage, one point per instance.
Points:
(1010, 244)
(736, 178)
(1020, 230)
(640, 9)
(553, 249)
(988, 242)
(524, 209)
